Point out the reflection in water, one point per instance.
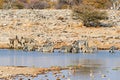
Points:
(20, 58)
(101, 64)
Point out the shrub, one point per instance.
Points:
(51, 4)
(64, 4)
(18, 5)
(12, 4)
(101, 4)
(89, 15)
(39, 5)
(25, 1)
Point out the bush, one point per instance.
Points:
(100, 4)
(89, 15)
(12, 4)
(17, 5)
(51, 4)
(39, 5)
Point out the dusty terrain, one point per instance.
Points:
(103, 38)
(56, 26)
(7, 72)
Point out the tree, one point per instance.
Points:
(39, 5)
(89, 15)
(68, 3)
(12, 4)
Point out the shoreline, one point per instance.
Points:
(9, 72)
(102, 38)
(103, 47)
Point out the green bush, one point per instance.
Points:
(89, 15)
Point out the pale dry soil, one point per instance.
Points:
(102, 37)
(9, 72)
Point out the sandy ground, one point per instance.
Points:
(102, 37)
(58, 27)
(9, 72)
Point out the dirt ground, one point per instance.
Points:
(9, 72)
(102, 37)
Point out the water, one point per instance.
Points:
(102, 64)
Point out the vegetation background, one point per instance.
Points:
(56, 4)
(88, 11)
